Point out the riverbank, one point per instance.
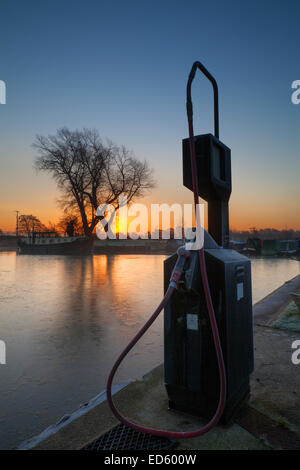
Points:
(112, 247)
(140, 246)
(271, 419)
(148, 246)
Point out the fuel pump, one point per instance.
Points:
(191, 365)
(207, 303)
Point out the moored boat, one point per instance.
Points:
(50, 243)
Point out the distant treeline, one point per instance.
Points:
(265, 233)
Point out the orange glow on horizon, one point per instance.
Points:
(241, 218)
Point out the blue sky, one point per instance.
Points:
(121, 67)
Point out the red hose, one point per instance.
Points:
(214, 327)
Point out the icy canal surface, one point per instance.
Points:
(64, 320)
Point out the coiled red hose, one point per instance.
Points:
(214, 327)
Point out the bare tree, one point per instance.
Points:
(89, 173)
(70, 220)
(30, 223)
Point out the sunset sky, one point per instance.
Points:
(121, 68)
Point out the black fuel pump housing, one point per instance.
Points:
(191, 368)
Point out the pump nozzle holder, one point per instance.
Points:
(183, 255)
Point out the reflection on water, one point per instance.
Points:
(270, 273)
(64, 320)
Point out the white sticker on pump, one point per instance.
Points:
(240, 290)
(192, 321)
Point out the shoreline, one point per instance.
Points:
(149, 251)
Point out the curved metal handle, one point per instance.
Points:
(189, 105)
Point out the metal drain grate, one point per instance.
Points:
(122, 437)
